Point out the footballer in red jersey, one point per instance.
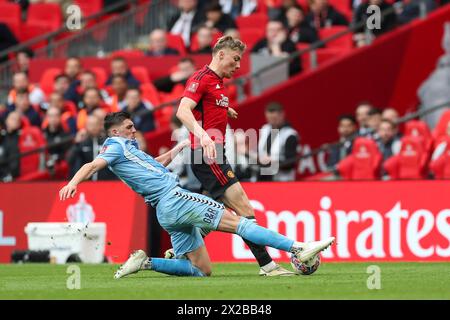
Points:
(204, 110)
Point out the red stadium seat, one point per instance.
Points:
(194, 40)
(441, 127)
(89, 7)
(10, 14)
(251, 36)
(31, 138)
(45, 14)
(363, 163)
(255, 20)
(150, 93)
(128, 53)
(343, 42)
(28, 32)
(441, 166)
(175, 41)
(141, 74)
(411, 161)
(100, 76)
(418, 128)
(48, 79)
(163, 116)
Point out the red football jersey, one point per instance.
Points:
(206, 88)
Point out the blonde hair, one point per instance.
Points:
(228, 42)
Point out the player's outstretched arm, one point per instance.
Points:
(167, 157)
(85, 172)
(186, 116)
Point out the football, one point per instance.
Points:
(305, 268)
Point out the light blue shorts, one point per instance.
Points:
(181, 213)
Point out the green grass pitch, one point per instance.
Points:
(229, 281)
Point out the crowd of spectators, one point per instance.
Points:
(78, 96)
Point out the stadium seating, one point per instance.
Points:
(150, 93)
(363, 163)
(31, 138)
(48, 79)
(255, 20)
(344, 42)
(441, 127)
(10, 14)
(128, 53)
(141, 74)
(440, 167)
(89, 7)
(175, 41)
(411, 161)
(418, 128)
(100, 76)
(250, 36)
(45, 14)
(194, 40)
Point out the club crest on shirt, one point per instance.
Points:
(193, 87)
(230, 174)
(103, 149)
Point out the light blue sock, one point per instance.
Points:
(176, 267)
(248, 229)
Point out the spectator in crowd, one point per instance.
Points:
(7, 40)
(116, 100)
(55, 133)
(277, 44)
(23, 58)
(78, 87)
(21, 83)
(236, 8)
(322, 14)
(87, 146)
(73, 68)
(374, 122)
(388, 143)
(277, 11)
(411, 9)
(390, 114)
(277, 147)
(119, 67)
(298, 29)
(387, 22)
(362, 117)
(68, 116)
(61, 84)
(158, 45)
(204, 39)
(246, 159)
(234, 33)
(216, 19)
(186, 20)
(141, 111)
(185, 68)
(23, 106)
(9, 146)
(347, 131)
(92, 100)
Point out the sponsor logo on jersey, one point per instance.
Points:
(217, 86)
(223, 101)
(103, 150)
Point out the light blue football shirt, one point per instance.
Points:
(138, 170)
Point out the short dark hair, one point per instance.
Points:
(274, 107)
(393, 125)
(187, 59)
(213, 6)
(348, 117)
(115, 118)
(27, 51)
(60, 76)
(374, 111)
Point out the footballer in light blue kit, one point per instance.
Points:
(180, 212)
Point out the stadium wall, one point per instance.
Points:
(372, 221)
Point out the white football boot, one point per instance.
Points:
(134, 263)
(310, 249)
(278, 271)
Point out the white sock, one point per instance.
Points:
(269, 267)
